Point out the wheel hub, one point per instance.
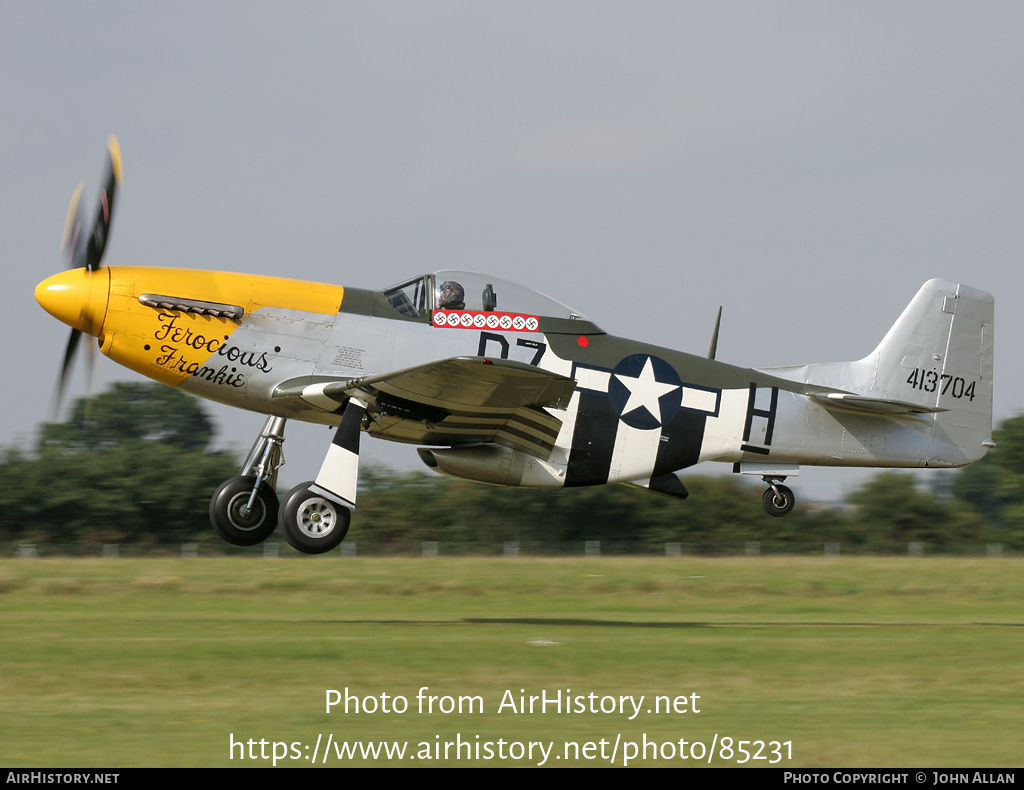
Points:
(241, 515)
(317, 517)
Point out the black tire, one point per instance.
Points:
(311, 523)
(231, 524)
(780, 504)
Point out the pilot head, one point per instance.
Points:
(451, 296)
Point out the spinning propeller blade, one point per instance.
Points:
(105, 210)
(86, 252)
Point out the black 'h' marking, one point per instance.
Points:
(768, 414)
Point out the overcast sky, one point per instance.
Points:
(807, 165)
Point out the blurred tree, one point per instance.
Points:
(135, 465)
(994, 486)
(128, 412)
(423, 506)
(132, 465)
(892, 509)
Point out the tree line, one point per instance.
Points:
(134, 465)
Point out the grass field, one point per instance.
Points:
(850, 661)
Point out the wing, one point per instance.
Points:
(462, 400)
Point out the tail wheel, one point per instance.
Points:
(778, 500)
(311, 523)
(232, 517)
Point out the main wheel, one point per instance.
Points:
(778, 504)
(311, 523)
(232, 517)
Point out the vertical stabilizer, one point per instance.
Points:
(939, 354)
(935, 361)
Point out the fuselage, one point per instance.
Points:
(639, 411)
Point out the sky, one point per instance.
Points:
(805, 165)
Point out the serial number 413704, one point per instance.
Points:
(932, 380)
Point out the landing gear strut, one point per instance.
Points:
(315, 516)
(243, 510)
(777, 499)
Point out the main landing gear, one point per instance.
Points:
(777, 499)
(311, 523)
(245, 510)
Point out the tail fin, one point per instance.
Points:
(937, 358)
(939, 354)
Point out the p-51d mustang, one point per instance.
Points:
(503, 385)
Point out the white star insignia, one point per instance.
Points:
(644, 391)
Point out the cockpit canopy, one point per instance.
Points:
(418, 297)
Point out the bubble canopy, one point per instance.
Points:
(484, 292)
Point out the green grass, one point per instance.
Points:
(855, 661)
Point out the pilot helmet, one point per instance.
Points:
(451, 296)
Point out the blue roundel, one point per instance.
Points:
(644, 391)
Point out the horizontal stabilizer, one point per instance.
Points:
(873, 405)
